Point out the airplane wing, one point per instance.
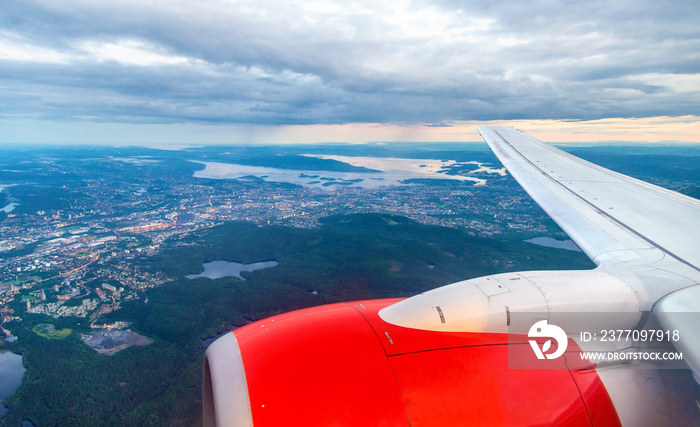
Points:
(646, 235)
(613, 218)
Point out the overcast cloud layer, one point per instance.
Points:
(321, 62)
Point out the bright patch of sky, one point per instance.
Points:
(129, 52)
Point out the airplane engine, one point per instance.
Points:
(442, 357)
(342, 364)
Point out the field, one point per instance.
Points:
(47, 330)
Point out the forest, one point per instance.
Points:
(351, 257)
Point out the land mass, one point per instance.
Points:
(102, 239)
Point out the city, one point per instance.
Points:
(91, 251)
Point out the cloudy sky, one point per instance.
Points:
(306, 71)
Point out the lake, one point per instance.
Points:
(9, 208)
(219, 269)
(11, 373)
(386, 171)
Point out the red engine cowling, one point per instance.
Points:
(341, 364)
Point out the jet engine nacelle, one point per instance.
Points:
(494, 303)
(345, 364)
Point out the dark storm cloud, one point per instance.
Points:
(320, 62)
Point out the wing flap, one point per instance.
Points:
(679, 312)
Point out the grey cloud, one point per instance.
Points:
(274, 63)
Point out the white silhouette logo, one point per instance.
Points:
(542, 330)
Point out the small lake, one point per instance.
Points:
(11, 373)
(569, 245)
(219, 269)
(9, 208)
